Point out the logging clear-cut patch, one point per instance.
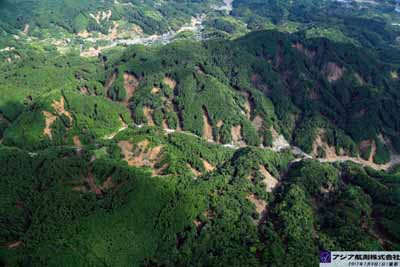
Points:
(394, 75)
(49, 120)
(107, 184)
(14, 244)
(236, 132)
(207, 128)
(208, 166)
(131, 83)
(170, 82)
(165, 124)
(195, 172)
(91, 181)
(269, 181)
(320, 143)
(155, 90)
(260, 206)
(366, 145)
(148, 113)
(84, 90)
(247, 107)
(26, 29)
(141, 154)
(257, 122)
(307, 52)
(77, 141)
(59, 107)
(333, 72)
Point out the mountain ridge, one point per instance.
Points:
(272, 137)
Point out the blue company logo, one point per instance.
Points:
(325, 257)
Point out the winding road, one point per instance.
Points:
(281, 144)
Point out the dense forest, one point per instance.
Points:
(272, 138)
(302, 89)
(92, 15)
(87, 207)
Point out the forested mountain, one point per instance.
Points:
(371, 24)
(197, 133)
(75, 16)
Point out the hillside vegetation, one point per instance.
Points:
(256, 136)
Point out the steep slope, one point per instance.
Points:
(216, 153)
(266, 82)
(322, 96)
(254, 208)
(96, 16)
(371, 24)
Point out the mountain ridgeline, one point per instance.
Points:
(274, 137)
(318, 94)
(75, 16)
